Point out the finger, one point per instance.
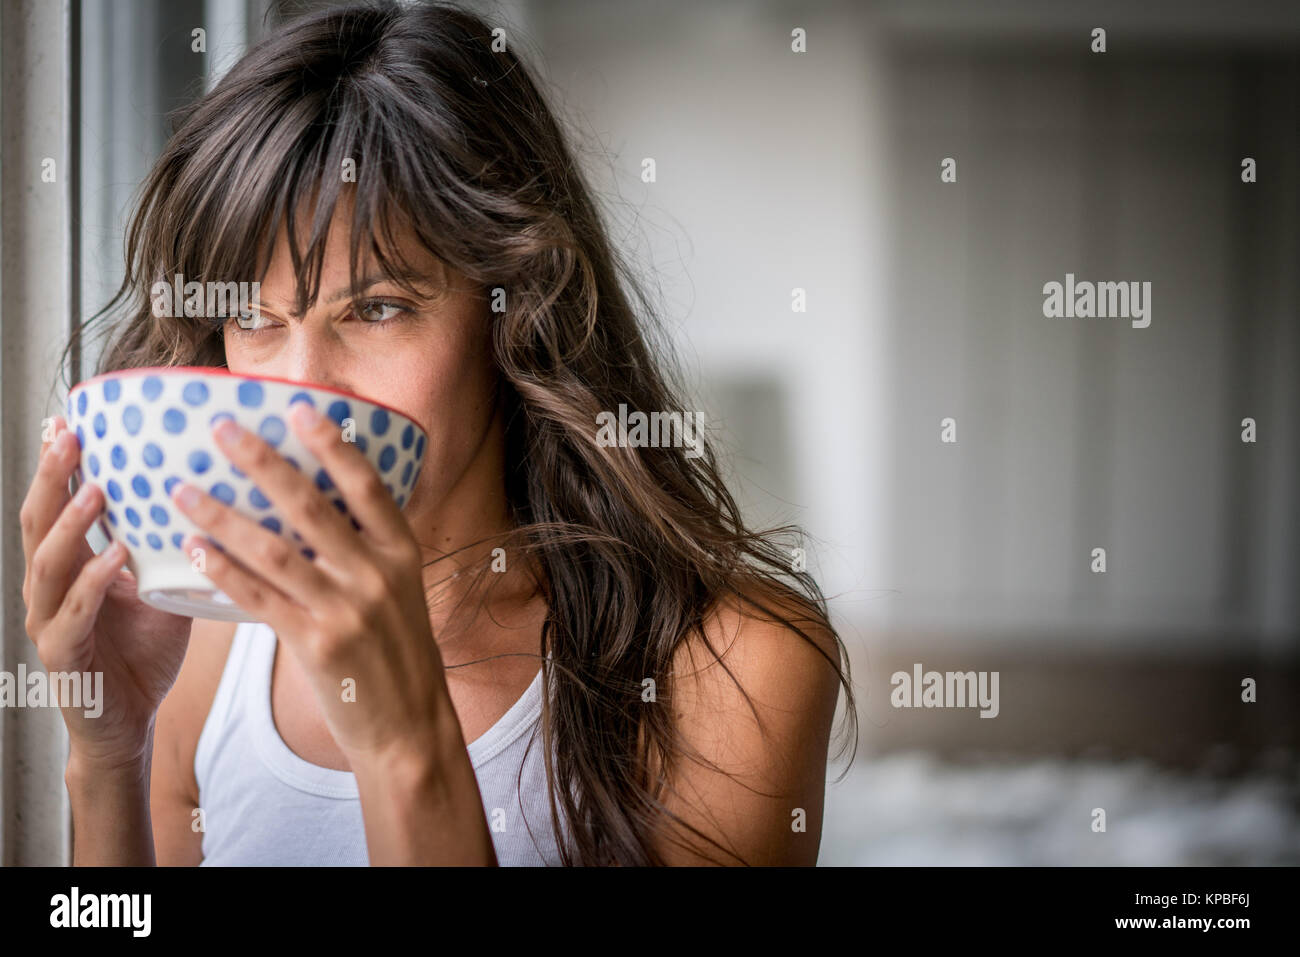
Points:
(257, 547)
(303, 503)
(249, 592)
(62, 552)
(359, 483)
(60, 642)
(49, 490)
(58, 427)
(26, 515)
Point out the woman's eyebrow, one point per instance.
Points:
(374, 279)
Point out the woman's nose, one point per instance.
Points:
(312, 356)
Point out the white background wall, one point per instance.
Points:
(821, 170)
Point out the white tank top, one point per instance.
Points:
(263, 805)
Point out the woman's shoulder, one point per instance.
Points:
(770, 641)
(762, 628)
(753, 701)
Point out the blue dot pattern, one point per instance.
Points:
(250, 394)
(272, 429)
(142, 434)
(338, 411)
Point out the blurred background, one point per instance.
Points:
(820, 171)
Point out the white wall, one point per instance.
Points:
(821, 170)
(770, 177)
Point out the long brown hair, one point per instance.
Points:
(636, 546)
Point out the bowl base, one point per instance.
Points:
(196, 603)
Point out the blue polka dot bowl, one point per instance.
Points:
(142, 431)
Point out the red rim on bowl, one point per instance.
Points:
(217, 370)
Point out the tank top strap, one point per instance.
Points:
(232, 681)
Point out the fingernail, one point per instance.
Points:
(188, 495)
(227, 432)
(303, 414)
(83, 496)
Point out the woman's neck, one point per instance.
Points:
(469, 560)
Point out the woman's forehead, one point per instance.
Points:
(397, 251)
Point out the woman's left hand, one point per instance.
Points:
(355, 615)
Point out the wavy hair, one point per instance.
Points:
(635, 546)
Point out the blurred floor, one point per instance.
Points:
(910, 809)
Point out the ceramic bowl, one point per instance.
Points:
(143, 430)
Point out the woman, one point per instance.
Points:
(422, 237)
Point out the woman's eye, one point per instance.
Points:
(251, 321)
(375, 310)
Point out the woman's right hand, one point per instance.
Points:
(84, 615)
